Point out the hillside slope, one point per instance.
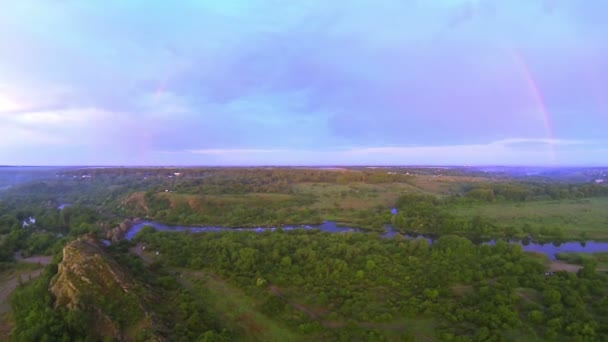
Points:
(90, 281)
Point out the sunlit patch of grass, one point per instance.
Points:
(577, 219)
(238, 309)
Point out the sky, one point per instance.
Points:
(315, 82)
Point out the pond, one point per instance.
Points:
(549, 249)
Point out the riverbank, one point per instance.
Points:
(551, 250)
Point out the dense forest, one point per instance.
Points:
(363, 284)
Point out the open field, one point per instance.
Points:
(422, 328)
(193, 200)
(367, 205)
(353, 196)
(239, 311)
(326, 196)
(444, 185)
(601, 259)
(578, 219)
(234, 306)
(242, 312)
(558, 265)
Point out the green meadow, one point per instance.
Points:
(577, 219)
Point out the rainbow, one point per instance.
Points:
(540, 102)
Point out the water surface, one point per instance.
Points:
(549, 249)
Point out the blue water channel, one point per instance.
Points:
(549, 249)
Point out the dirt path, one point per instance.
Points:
(10, 280)
(36, 259)
(558, 265)
(8, 286)
(8, 283)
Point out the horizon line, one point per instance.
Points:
(309, 165)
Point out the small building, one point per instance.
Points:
(30, 221)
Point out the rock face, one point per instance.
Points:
(117, 233)
(88, 279)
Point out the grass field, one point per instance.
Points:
(353, 196)
(348, 204)
(445, 185)
(195, 200)
(241, 311)
(327, 196)
(238, 310)
(601, 259)
(363, 195)
(365, 205)
(422, 328)
(586, 218)
(330, 196)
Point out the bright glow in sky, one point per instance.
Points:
(314, 82)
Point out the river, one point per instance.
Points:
(328, 226)
(549, 249)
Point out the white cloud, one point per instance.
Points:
(548, 141)
(49, 118)
(220, 152)
(514, 151)
(14, 136)
(60, 127)
(7, 104)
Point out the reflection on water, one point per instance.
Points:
(549, 249)
(327, 226)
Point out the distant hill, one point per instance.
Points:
(14, 175)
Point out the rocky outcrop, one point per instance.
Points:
(117, 233)
(88, 279)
